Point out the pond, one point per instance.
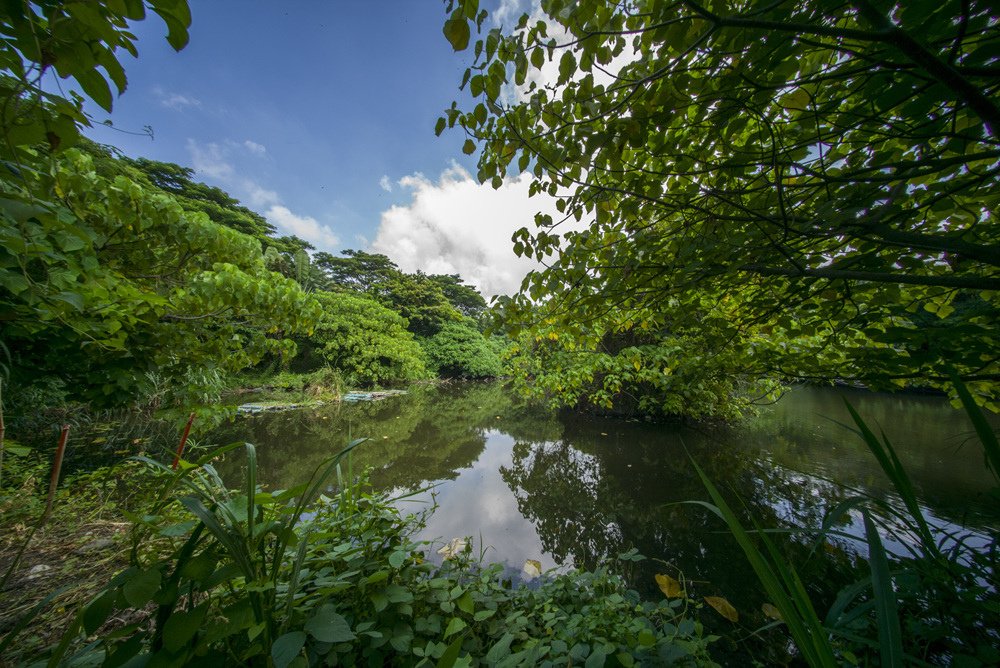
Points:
(571, 490)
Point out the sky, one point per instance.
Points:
(319, 114)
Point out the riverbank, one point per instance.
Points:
(363, 589)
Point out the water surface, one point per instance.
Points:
(525, 483)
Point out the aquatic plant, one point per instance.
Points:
(937, 603)
(329, 575)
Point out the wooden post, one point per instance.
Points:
(184, 438)
(56, 468)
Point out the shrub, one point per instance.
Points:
(365, 340)
(459, 350)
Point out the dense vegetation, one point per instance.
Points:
(802, 190)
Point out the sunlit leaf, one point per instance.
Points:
(670, 587)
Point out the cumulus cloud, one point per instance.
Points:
(385, 183)
(214, 160)
(175, 101)
(305, 227)
(259, 195)
(458, 226)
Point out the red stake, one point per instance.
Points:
(184, 438)
(56, 468)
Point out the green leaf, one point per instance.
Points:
(465, 603)
(456, 31)
(98, 611)
(890, 637)
(328, 626)
(139, 588)
(181, 627)
(455, 625)
(96, 86)
(440, 126)
(286, 648)
(469, 147)
(397, 559)
(450, 655)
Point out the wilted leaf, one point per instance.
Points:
(670, 587)
(772, 612)
(723, 607)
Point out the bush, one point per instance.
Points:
(459, 350)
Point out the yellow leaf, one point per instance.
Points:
(723, 607)
(670, 587)
(772, 612)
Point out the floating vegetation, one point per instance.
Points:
(353, 397)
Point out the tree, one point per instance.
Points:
(465, 298)
(366, 340)
(106, 281)
(117, 290)
(417, 297)
(829, 167)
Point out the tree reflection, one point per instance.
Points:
(425, 436)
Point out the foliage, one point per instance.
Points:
(936, 603)
(465, 298)
(107, 283)
(356, 590)
(831, 168)
(636, 371)
(116, 289)
(419, 298)
(365, 340)
(75, 40)
(459, 350)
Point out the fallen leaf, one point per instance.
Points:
(723, 607)
(670, 587)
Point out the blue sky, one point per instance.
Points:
(320, 115)
(337, 94)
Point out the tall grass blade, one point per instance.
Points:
(780, 585)
(986, 434)
(251, 489)
(885, 454)
(889, 634)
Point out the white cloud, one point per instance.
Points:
(458, 226)
(259, 195)
(210, 160)
(254, 147)
(305, 227)
(213, 160)
(385, 183)
(175, 101)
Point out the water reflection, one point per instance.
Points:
(525, 483)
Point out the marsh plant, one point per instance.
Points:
(328, 574)
(937, 603)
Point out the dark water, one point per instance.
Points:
(527, 484)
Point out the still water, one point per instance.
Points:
(525, 483)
